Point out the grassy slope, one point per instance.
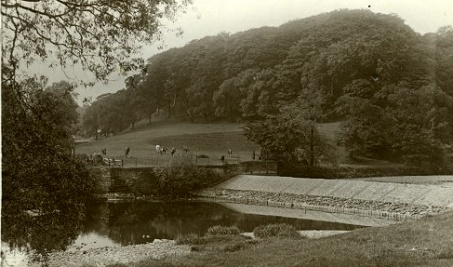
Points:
(211, 139)
(426, 242)
(200, 138)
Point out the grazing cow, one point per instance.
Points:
(158, 150)
(161, 149)
(185, 149)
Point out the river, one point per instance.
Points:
(140, 222)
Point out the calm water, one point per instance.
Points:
(127, 223)
(116, 224)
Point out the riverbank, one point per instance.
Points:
(159, 249)
(100, 257)
(424, 242)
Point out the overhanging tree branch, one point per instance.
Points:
(114, 29)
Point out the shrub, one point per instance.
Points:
(183, 177)
(191, 238)
(223, 230)
(276, 230)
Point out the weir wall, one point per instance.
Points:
(437, 195)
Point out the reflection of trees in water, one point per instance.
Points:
(142, 222)
(43, 233)
(97, 218)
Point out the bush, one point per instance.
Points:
(276, 230)
(191, 238)
(223, 230)
(183, 177)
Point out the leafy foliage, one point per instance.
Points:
(179, 179)
(398, 122)
(39, 175)
(100, 36)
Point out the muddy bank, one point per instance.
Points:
(100, 257)
(310, 215)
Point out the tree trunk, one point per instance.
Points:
(312, 146)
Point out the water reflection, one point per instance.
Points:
(41, 233)
(27, 232)
(142, 222)
(120, 224)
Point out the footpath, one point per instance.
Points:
(393, 201)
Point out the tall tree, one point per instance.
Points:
(397, 122)
(38, 172)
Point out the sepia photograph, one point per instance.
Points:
(227, 133)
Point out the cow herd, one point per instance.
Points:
(163, 149)
(101, 158)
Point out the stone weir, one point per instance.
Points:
(384, 200)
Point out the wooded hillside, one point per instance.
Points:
(368, 69)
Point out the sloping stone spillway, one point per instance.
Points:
(340, 195)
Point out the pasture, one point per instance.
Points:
(212, 140)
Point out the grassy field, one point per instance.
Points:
(212, 140)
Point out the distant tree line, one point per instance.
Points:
(390, 86)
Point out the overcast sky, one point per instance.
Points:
(210, 17)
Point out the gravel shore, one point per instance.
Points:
(100, 257)
(159, 249)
